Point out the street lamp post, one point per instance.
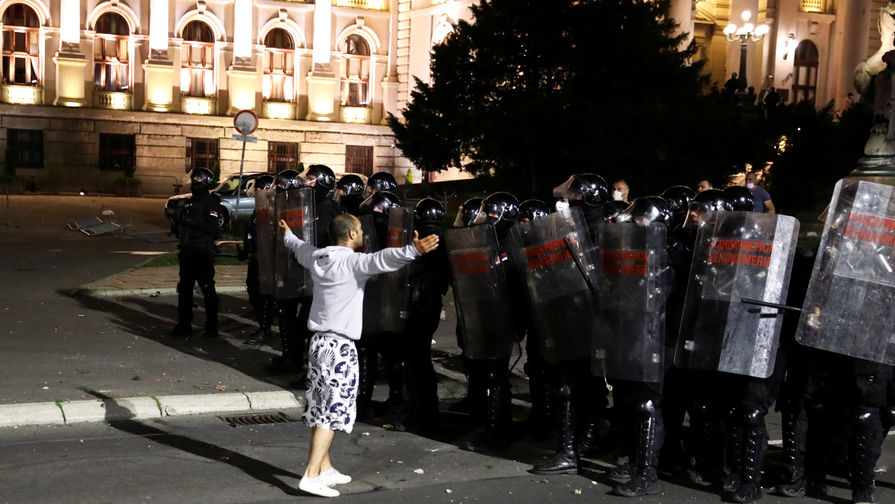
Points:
(744, 34)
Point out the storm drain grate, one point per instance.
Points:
(256, 419)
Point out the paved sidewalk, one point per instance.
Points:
(163, 281)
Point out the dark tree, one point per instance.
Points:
(535, 91)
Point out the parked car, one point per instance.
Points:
(226, 190)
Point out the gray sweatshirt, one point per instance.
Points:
(339, 275)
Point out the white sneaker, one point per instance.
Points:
(316, 486)
(334, 477)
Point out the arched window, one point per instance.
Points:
(197, 60)
(279, 66)
(110, 53)
(805, 65)
(21, 46)
(355, 72)
(441, 32)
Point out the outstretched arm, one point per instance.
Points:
(392, 258)
(303, 250)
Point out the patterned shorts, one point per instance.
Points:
(332, 383)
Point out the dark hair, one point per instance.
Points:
(340, 226)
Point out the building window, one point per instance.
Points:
(21, 46)
(805, 65)
(110, 53)
(117, 152)
(202, 153)
(812, 5)
(25, 148)
(279, 66)
(197, 60)
(359, 159)
(281, 156)
(355, 72)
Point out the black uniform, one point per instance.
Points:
(429, 280)
(197, 228)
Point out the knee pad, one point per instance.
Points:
(753, 417)
(866, 417)
(888, 414)
(646, 408)
(565, 392)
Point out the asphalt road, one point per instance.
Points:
(202, 459)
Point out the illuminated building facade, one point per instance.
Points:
(93, 89)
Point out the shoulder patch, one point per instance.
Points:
(214, 214)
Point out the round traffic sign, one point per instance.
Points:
(245, 122)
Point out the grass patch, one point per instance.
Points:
(170, 259)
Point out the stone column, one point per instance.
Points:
(322, 81)
(390, 81)
(159, 68)
(243, 75)
(70, 62)
(682, 13)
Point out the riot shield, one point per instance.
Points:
(386, 295)
(266, 239)
(849, 304)
(484, 314)
(629, 341)
(296, 207)
(555, 257)
(738, 255)
(371, 240)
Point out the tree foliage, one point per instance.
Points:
(534, 91)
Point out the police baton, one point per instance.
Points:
(766, 304)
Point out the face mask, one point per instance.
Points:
(562, 205)
(617, 195)
(750, 185)
(197, 187)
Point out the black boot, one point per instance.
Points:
(733, 450)
(792, 480)
(754, 447)
(565, 461)
(211, 313)
(644, 479)
(540, 422)
(184, 312)
(868, 432)
(265, 321)
(498, 423)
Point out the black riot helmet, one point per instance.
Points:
(711, 200)
(678, 198)
(533, 209)
(262, 183)
(498, 208)
(202, 180)
(321, 177)
(468, 212)
(740, 198)
(644, 210)
(351, 184)
(428, 212)
(583, 189)
(613, 208)
(381, 181)
(289, 179)
(662, 204)
(380, 202)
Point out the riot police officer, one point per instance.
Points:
(197, 228)
(350, 189)
(293, 332)
(380, 181)
(429, 280)
(583, 399)
(371, 345)
(678, 198)
(263, 304)
(491, 376)
(638, 393)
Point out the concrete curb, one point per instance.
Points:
(140, 408)
(164, 291)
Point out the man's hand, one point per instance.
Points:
(425, 245)
(284, 225)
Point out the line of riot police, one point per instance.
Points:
(673, 306)
(676, 304)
